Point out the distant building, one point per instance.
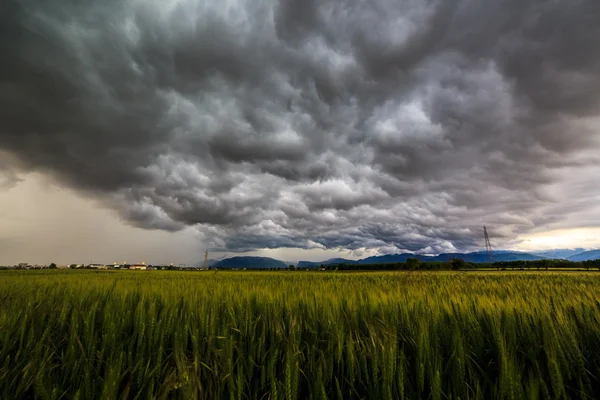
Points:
(62, 266)
(98, 266)
(138, 266)
(23, 265)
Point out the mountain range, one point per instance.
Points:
(586, 255)
(473, 257)
(249, 262)
(563, 254)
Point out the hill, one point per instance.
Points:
(391, 258)
(560, 254)
(249, 262)
(480, 257)
(315, 264)
(200, 264)
(475, 257)
(586, 255)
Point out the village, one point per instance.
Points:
(137, 266)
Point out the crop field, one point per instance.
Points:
(299, 335)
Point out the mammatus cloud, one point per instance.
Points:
(316, 124)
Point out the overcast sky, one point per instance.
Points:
(306, 129)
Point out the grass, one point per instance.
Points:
(296, 335)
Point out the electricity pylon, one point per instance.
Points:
(205, 264)
(488, 246)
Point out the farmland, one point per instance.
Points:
(295, 335)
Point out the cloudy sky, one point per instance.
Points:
(299, 129)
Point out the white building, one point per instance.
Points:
(98, 266)
(138, 266)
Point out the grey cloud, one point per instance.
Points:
(381, 125)
(8, 178)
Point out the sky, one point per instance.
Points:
(137, 130)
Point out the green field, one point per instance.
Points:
(296, 335)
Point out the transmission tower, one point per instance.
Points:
(205, 264)
(488, 246)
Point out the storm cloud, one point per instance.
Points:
(391, 125)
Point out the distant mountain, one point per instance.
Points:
(200, 264)
(384, 259)
(475, 257)
(503, 256)
(390, 258)
(586, 255)
(249, 262)
(314, 264)
(307, 264)
(562, 254)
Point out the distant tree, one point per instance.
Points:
(52, 265)
(457, 263)
(413, 263)
(291, 267)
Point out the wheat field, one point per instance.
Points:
(299, 335)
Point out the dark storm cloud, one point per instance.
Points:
(317, 124)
